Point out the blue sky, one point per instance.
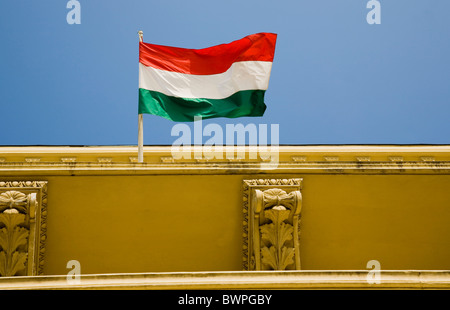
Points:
(335, 78)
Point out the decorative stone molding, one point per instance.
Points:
(299, 158)
(363, 158)
(238, 280)
(396, 158)
(427, 158)
(167, 159)
(23, 214)
(104, 160)
(331, 158)
(237, 159)
(272, 224)
(408, 159)
(133, 159)
(68, 159)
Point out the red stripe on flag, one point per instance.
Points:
(211, 60)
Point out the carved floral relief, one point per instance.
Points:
(22, 228)
(271, 224)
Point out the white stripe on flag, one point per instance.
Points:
(244, 75)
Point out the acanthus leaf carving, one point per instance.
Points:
(274, 237)
(22, 227)
(13, 239)
(272, 219)
(12, 263)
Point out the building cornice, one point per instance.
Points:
(303, 279)
(88, 160)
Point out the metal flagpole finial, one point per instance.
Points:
(141, 35)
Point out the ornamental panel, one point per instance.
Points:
(23, 214)
(272, 224)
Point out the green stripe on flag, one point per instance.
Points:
(240, 104)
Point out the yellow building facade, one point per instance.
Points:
(324, 217)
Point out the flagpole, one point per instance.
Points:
(140, 122)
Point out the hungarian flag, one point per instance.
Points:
(227, 80)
